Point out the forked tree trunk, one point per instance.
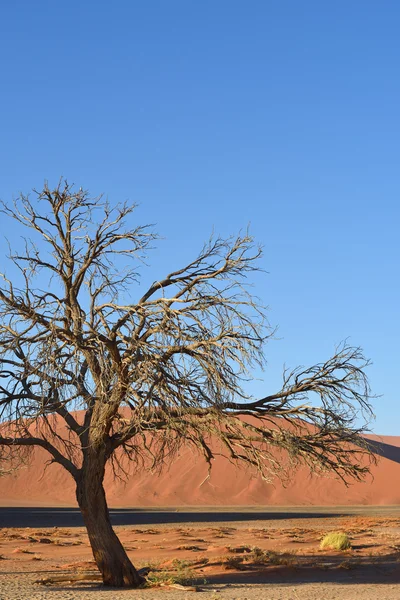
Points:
(108, 552)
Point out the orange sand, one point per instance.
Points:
(184, 483)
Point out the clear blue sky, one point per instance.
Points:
(216, 114)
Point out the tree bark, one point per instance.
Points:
(108, 552)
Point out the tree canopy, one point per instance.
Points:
(153, 371)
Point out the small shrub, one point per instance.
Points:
(234, 562)
(155, 578)
(154, 565)
(179, 564)
(181, 574)
(258, 555)
(184, 577)
(239, 549)
(336, 540)
(281, 558)
(264, 557)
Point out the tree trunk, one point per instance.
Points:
(108, 552)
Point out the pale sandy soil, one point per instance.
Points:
(318, 591)
(218, 553)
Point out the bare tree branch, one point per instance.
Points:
(90, 378)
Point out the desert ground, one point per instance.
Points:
(257, 541)
(270, 554)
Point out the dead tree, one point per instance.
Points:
(89, 374)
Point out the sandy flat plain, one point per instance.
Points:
(269, 554)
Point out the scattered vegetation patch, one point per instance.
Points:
(234, 563)
(12, 536)
(147, 531)
(59, 542)
(180, 564)
(259, 556)
(348, 565)
(219, 532)
(21, 551)
(37, 538)
(82, 565)
(239, 549)
(183, 576)
(270, 557)
(256, 557)
(151, 531)
(281, 558)
(336, 540)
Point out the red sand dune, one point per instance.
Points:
(184, 482)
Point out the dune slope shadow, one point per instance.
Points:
(385, 450)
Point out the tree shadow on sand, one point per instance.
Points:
(329, 569)
(340, 569)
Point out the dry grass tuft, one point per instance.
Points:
(184, 577)
(234, 563)
(239, 549)
(336, 540)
